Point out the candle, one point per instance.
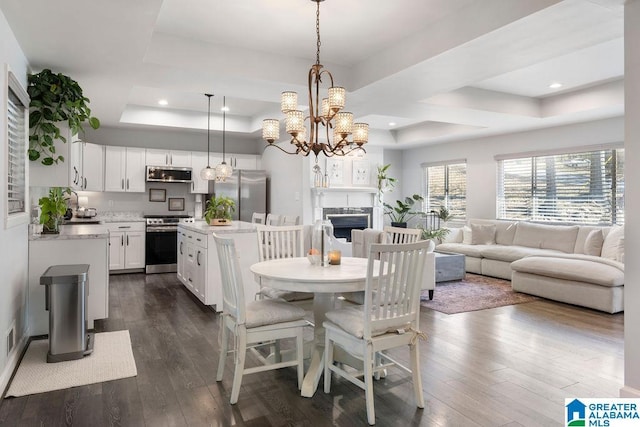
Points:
(334, 257)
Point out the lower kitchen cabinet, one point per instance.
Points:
(126, 245)
(198, 266)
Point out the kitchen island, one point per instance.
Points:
(76, 244)
(198, 266)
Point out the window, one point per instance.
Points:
(446, 185)
(581, 187)
(17, 102)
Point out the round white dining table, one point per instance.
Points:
(297, 274)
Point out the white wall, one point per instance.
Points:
(286, 181)
(13, 241)
(632, 201)
(480, 152)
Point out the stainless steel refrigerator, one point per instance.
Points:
(248, 188)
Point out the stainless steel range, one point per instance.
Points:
(161, 248)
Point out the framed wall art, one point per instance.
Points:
(335, 171)
(361, 172)
(176, 203)
(157, 195)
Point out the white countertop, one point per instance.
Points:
(235, 227)
(71, 232)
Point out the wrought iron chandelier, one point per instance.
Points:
(325, 116)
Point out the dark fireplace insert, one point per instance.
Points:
(346, 219)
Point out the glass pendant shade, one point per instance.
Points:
(208, 173)
(289, 101)
(360, 133)
(337, 97)
(270, 130)
(344, 123)
(294, 122)
(223, 171)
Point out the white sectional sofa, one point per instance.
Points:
(582, 265)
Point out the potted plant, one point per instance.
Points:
(53, 209)
(444, 214)
(218, 210)
(403, 211)
(54, 98)
(436, 234)
(385, 182)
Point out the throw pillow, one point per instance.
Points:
(593, 243)
(483, 234)
(613, 245)
(466, 235)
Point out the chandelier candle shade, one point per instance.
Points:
(223, 170)
(325, 116)
(208, 173)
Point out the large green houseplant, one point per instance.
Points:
(54, 98)
(218, 210)
(403, 211)
(52, 209)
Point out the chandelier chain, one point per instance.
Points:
(318, 34)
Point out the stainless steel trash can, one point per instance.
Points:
(66, 300)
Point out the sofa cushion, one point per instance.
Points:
(461, 248)
(583, 233)
(453, 236)
(580, 268)
(543, 236)
(513, 253)
(466, 235)
(593, 243)
(505, 230)
(613, 245)
(483, 234)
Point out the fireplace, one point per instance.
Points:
(346, 219)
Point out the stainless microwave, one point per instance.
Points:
(168, 174)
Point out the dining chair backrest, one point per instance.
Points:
(284, 241)
(233, 301)
(273, 219)
(401, 235)
(290, 220)
(393, 298)
(258, 218)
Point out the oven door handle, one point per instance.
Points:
(162, 230)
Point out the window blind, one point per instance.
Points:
(585, 187)
(16, 122)
(446, 185)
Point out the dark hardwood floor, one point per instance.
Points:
(507, 366)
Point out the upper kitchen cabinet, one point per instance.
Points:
(124, 169)
(199, 161)
(82, 168)
(175, 158)
(243, 161)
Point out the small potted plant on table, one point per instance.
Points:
(218, 210)
(53, 209)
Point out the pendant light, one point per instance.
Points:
(223, 170)
(208, 173)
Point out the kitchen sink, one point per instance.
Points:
(81, 222)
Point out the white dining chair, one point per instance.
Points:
(275, 242)
(273, 219)
(255, 323)
(290, 220)
(258, 218)
(389, 318)
(401, 235)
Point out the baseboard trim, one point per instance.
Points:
(627, 391)
(12, 362)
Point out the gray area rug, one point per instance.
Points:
(112, 359)
(473, 293)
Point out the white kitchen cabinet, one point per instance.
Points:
(201, 269)
(92, 167)
(175, 158)
(199, 161)
(124, 169)
(126, 245)
(243, 161)
(57, 250)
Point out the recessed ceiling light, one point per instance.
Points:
(163, 102)
(555, 85)
(392, 123)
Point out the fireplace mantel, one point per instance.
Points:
(320, 190)
(347, 197)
